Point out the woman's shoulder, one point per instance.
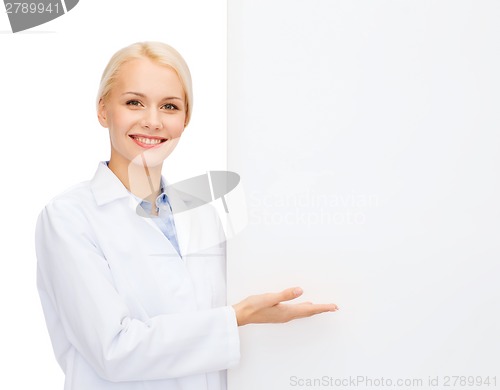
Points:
(76, 193)
(77, 197)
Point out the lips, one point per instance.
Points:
(146, 141)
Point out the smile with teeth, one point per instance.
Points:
(147, 140)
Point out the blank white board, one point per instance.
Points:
(367, 137)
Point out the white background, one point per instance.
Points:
(367, 135)
(49, 77)
(381, 111)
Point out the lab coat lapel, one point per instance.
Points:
(106, 188)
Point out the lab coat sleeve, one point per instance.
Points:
(78, 282)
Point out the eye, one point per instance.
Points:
(136, 103)
(170, 106)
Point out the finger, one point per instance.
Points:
(327, 307)
(308, 310)
(321, 306)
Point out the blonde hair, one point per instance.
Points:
(158, 52)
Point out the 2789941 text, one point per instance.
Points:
(33, 8)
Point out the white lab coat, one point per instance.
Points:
(123, 310)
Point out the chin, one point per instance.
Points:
(155, 157)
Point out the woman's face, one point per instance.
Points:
(145, 113)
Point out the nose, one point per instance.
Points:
(151, 120)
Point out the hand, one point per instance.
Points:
(268, 308)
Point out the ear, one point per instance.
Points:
(102, 114)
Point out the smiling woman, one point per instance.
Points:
(145, 101)
(145, 114)
(130, 300)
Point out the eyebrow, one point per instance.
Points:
(143, 96)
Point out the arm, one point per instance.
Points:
(78, 284)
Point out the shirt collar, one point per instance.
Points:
(162, 201)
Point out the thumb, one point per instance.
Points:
(286, 295)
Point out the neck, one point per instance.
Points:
(140, 179)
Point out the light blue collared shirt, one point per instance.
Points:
(165, 218)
